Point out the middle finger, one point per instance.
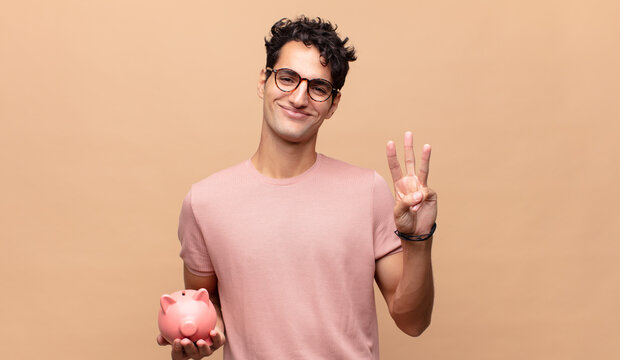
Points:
(409, 156)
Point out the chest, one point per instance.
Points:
(291, 228)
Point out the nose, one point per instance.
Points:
(299, 96)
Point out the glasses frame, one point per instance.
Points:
(275, 75)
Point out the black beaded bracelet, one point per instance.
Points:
(416, 237)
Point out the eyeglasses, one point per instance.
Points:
(288, 80)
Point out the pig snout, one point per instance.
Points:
(188, 328)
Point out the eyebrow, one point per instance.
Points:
(305, 77)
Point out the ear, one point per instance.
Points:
(262, 79)
(334, 106)
(202, 295)
(165, 301)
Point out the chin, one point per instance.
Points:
(294, 135)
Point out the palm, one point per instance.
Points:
(412, 216)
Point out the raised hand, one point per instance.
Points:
(184, 349)
(415, 210)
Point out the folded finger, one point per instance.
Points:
(402, 206)
(418, 198)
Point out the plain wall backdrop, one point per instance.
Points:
(110, 110)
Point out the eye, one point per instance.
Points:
(285, 79)
(319, 90)
(320, 87)
(288, 77)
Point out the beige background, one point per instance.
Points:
(111, 109)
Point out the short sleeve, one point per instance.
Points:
(193, 247)
(385, 241)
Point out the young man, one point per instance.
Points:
(288, 243)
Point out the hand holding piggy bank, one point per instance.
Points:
(187, 314)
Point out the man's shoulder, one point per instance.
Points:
(343, 168)
(221, 177)
(352, 174)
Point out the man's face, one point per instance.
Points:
(294, 116)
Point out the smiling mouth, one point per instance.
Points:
(293, 113)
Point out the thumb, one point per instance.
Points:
(218, 338)
(161, 341)
(404, 204)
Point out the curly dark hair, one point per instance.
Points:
(318, 33)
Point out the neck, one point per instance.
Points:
(278, 158)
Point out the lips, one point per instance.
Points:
(294, 113)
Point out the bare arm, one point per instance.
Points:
(407, 286)
(406, 279)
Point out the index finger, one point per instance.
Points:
(393, 163)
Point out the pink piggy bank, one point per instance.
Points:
(187, 314)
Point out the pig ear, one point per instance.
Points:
(165, 301)
(202, 295)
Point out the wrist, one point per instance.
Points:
(414, 237)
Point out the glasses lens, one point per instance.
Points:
(319, 90)
(287, 79)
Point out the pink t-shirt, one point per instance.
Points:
(295, 258)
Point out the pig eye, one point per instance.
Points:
(183, 293)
